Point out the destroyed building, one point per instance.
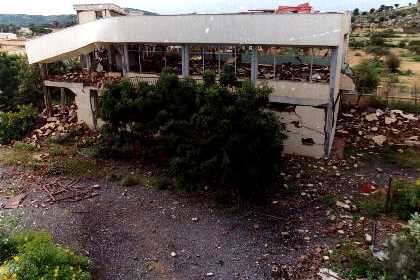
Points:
(301, 56)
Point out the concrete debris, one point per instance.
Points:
(368, 238)
(410, 117)
(327, 274)
(87, 77)
(379, 139)
(370, 131)
(371, 117)
(390, 120)
(15, 201)
(343, 205)
(62, 124)
(379, 112)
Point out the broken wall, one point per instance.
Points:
(305, 130)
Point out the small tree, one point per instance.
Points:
(367, 75)
(228, 77)
(356, 12)
(393, 63)
(209, 78)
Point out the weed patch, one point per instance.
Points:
(72, 167)
(353, 263)
(33, 255)
(410, 158)
(21, 154)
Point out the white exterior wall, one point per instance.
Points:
(86, 16)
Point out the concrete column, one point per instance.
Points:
(62, 99)
(254, 66)
(332, 108)
(125, 60)
(185, 61)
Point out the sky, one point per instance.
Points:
(53, 7)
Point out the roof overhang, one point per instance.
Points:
(313, 30)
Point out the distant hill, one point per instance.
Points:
(23, 20)
(135, 11)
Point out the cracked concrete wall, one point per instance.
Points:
(299, 93)
(305, 131)
(82, 100)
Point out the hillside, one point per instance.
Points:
(23, 20)
(407, 18)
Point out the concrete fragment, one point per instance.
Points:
(371, 117)
(379, 139)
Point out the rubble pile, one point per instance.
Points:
(374, 128)
(61, 124)
(87, 77)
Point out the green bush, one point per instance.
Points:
(405, 198)
(378, 50)
(207, 135)
(228, 76)
(393, 63)
(34, 256)
(367, 75)
(209, 78)
(20, 83)
(352, 263)
(403, 261)
(15, 125)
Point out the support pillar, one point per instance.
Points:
(45, 90)
(331, 110)
(62, 99)
(126, 62)
(254, 66)
(185, 61)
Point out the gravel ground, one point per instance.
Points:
(139, 233)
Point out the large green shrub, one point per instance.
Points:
(207, 135)
(20, 83)
(15, 125)
(403, 261)
(34, 256)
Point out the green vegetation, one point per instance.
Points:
(15, 125)
(19, 84)
(409, 158)
(398, 105)
(21, 154)
(33, 256)
(20, 20)
(73, 167)
(353, 263)
(367, 76)
(206, 135)
(393, 63)
(403, 260)
(404, 200)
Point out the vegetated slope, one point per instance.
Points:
(23, 20)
